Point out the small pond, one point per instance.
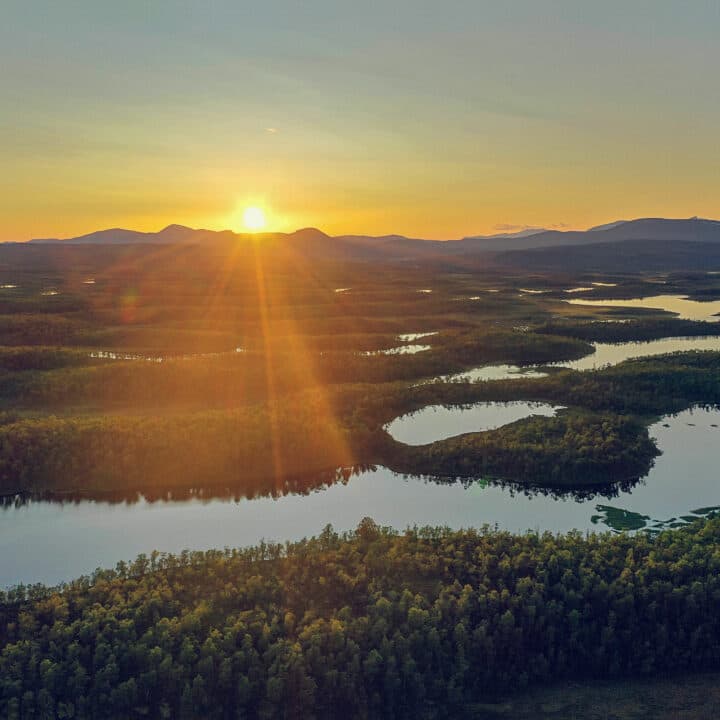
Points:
(400, 350)
(494, 372)
(410, 337)
(437, 422)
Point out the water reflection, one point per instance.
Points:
(47, 541)
(410, 337)
(437, 422)
(112, 355)
(621, 520)
(121, 355)
(679, 305)
(400, 350)
(682, 486)
(478, 297)
(605, 355)
(493, 372)
(297, 485)
(614, 353)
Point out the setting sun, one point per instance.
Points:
(253, 218)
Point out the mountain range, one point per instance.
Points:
(682, 242)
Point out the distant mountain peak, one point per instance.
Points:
(309, 231)
(174, 227)
(307, 235)
(525, 232)
(657, 234)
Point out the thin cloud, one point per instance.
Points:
(507, 227)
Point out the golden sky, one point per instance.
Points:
(427, 119)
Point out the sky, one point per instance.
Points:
(430, 119)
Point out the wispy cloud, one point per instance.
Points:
(271, 130)
(508, 227)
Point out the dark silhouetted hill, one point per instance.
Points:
(647, 243)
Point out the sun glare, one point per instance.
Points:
(253, 218)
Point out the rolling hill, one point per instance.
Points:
(646, 243)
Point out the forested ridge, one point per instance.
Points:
(601, 438)
(372, 624)
(630, 330)
(51, 377)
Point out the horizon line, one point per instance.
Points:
(499, 234)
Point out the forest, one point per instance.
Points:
(600, 439)
(162, 374)
(158, 369)
(429, 623)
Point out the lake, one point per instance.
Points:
(605, 354)
(613, 353)
(53, 541)
(437, 422)
(679, 305)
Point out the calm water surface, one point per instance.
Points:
(400, 350)
(437, 422)
(680, 305)
(494, 372)
(49, 541)
(605, 354)
(613, 353)
(410, 337)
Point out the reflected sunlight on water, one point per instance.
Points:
(680, 305)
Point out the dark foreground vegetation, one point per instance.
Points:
(428, 624)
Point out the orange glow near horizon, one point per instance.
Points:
(343, 121)
(438, 218)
